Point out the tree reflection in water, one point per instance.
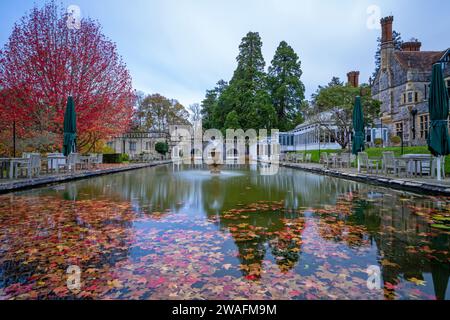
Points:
(158, 233)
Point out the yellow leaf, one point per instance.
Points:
(417, 281)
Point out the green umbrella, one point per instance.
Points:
(358, 127)
(70, 128)
(438, 139)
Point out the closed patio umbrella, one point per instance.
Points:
(70, 128)
(358, 127)
(438, 139)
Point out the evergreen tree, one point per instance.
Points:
(286, 89)
(247, 92)
(232, 121)
(210, 110)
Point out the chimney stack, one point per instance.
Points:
(386, 29)
(387, 42)
(412, 46)
(353, 78)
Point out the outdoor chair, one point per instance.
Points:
(323, 158)
(352, 159)
(308, 158)
(396, 166)
(326, 160)
(333, 158)
(32, 166)
(345, 160)
(73, 160)
(366, 163)
(96, 159)
(299, 158)
(402, 165)
(389, 163)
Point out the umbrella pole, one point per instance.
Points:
(439, 169)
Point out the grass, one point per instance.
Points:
(377, 153)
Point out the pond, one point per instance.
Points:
(174, 232)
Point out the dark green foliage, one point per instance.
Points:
(286, 89)
(232, 121)
(252, 99)
(115, 158)
(338, 100)
(124, 157)
(162, 148)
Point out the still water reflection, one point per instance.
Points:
(179, 233)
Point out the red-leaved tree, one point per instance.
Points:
(44, 62)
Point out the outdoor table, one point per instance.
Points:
(12, 162)
(4, 162)
(415, 162)
(87, 159)
(335, 159)
(59, 159)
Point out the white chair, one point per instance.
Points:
(32, 166)
(73, 160)
(308, 158)
(366, 163)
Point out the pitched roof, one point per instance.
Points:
(421, 60)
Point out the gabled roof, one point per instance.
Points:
(446, 56)
(420, 60)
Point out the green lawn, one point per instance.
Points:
(377, 153)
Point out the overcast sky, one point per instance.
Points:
(181, 48)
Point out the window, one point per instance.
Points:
(404, 98)
(416, 96)
(410, 97)
(368, 135)
(423, 126)
(132, 146)
(426, 89)
(148, 145)
(399, 129)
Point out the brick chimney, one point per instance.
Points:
(387, 42)
(353, 78)
(412, 46)
(386, 29)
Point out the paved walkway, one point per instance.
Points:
(45, 179)
(419, 185)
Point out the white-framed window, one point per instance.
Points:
(423, 126)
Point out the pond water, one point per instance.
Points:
(176, 232)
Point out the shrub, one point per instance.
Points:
(124, 157)
(107, 150)
(378, 142)
(112, 158)
(162, 148)
(396, 140)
